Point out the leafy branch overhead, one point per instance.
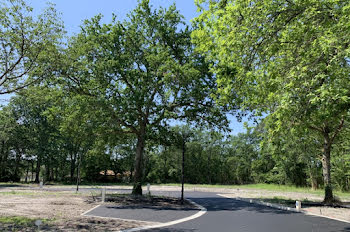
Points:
(27, 44)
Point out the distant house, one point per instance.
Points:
(111, 176)
(107, 175)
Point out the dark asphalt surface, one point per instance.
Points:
(237, 216)
(141, 214)
(229, 215)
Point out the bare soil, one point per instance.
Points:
(145, 201)
(61, 211)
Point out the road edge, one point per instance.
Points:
(281, 207)
(202, 211)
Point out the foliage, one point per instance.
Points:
(289, 59)
(28, 45)
(142, 73)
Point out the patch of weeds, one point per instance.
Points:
(22, 221)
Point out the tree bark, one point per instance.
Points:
(72, 166)
(37, 171)
(32, 163)
(326, 168)
(16, 176)
(27, 172)
(140, 147)
(183, 171)
(78, 171)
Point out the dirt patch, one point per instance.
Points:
(60, 210)
(156, 202)
(74, 224)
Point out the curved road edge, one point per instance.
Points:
(160, 225)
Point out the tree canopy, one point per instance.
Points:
(289, 59)
(28, 44)
(143, 72)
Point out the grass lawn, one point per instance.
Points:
(271, 187)
(17, 223)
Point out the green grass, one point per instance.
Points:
(270, 187)
(41, 193)
(20, 221)
(286, 201)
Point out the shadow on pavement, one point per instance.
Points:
(150, 207)
(10, 185)
(172, 230)
(346, 229)
(226, 204)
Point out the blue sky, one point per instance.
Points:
(74, 12)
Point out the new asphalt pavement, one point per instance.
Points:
(224, 214)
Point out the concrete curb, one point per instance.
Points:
(160, 225)
(281, 207)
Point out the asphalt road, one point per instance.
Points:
(231, 215)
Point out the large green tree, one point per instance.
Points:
(28, 44)
(142, 72)
(288, 58)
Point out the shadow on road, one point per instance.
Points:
(226, 204)
(150, 207)
(9, 185)
(171, 230)
(346, 229)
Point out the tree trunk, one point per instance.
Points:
(2, 154)
(32, 163)
(16, 176)
(72, 166)
(183, 171)
(313, 178)
(47, 171)
(78, 171)
(326, 168)
(140, 147)
(27, 172)
(37, 172)
(208, 167)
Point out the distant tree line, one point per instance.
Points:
(45, 137)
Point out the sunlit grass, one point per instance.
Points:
(41, 193)
(269, 187)
(22, 221)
